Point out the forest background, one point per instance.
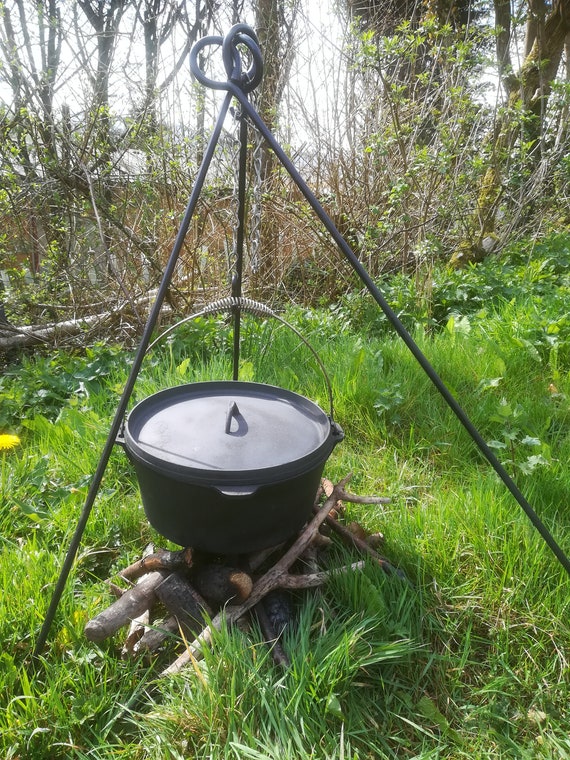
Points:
(432, 133)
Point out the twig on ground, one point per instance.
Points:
(162, 559)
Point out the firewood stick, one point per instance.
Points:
(163, 559)
(138, 624)
(136, 628)
(222, 585)
(117, 591)
(131, 604)
(314, 580)
(354, 498)
(154, 636)
(183, 602)
(271, 637)
(351, 540)
(357, 499)
(266, 583)
(135, 633)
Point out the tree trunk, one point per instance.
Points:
(527, 96)
(275, 33)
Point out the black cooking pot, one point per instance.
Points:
(228, 466)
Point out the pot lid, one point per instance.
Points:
(227, 429)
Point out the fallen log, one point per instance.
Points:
(162, 559)
(28, 335)
(129, 606)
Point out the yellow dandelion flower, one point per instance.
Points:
(8, 441)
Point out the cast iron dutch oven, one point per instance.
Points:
(228, 466)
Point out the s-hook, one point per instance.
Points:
(240, 38)
(241, 80)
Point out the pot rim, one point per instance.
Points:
(226, 478)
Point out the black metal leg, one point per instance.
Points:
(239, 238)
(404, 334)
(135, 369)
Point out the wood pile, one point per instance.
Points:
(172, 594)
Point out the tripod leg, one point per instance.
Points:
(135, 369)
(420, 357)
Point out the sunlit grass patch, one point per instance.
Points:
(467, 658)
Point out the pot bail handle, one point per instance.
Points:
(260, 310)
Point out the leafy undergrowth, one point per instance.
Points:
(467, 658)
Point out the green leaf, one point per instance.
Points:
(491, 382)
(333, 707)
(531, 463)
(182, 368)
(496, 444)
(428, 709)
(246, 371)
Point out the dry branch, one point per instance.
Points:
(350, 537)
(163, 559)
(314, 580)
(353, 498)
(129, 606)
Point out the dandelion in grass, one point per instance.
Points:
(8, 441)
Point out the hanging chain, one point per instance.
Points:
(256, 198)
(254, 255)
(234, 214)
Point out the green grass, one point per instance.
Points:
(467, 659)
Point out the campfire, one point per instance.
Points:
(173, 593)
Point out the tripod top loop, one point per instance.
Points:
(239, 35)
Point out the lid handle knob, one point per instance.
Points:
(232, 412)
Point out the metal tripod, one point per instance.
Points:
(240, 82)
